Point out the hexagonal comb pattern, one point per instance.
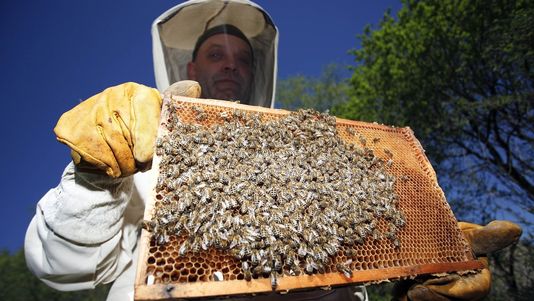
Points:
(430, 242)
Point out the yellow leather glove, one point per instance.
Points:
(483, 240)
(115, 130)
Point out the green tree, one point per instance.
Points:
(304, 92)
(459, 72)
(18, 283)
(512, 270)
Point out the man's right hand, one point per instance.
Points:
(115, 130)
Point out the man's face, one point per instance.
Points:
(223, 67)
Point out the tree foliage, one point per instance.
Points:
(299, 92)
(18, 283)
(459, 72)
(512, 270)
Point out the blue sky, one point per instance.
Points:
(57, 53)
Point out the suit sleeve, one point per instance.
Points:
(78, 237)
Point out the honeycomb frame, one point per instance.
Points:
(430, 242)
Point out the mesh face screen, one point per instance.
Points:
(429, 241)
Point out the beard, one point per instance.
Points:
(228, 86)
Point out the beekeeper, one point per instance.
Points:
(85, 231)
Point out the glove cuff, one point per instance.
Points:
(86, 208)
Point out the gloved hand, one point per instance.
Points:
(483, 240)
(115, 131)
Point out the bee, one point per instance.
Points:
(239, 187)
(224, 178)
(399, 220)
(274, 281)
(257, 270)
(359, 238)
(396, 242)
(319, 254)
(388, 153)
(310, 265)
(196, 245)
(161, 183)
(188, 161)
(160, 142)
(239, 114)
(197, 139)
(207, 241)
(245, 251)
(210, 140)
(376, 234)
(245, 265)
(266, 267)
(197, 109)
(224, 115)
(344, 268)
(247, 273)
(205, 195)
(318, 134)
(201, 117)
(255, 257)
(362, 139)
(162, 238)
(217, 186)
(183, 141)
(391, 235)
(150, 226)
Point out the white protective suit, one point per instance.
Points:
(85, 231)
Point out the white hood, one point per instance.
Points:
(176, 31)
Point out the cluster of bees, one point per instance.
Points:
(279, 195)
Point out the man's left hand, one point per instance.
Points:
(483, 240)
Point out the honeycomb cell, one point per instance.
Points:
(192, 278)
(168, 268)
(175, 276)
